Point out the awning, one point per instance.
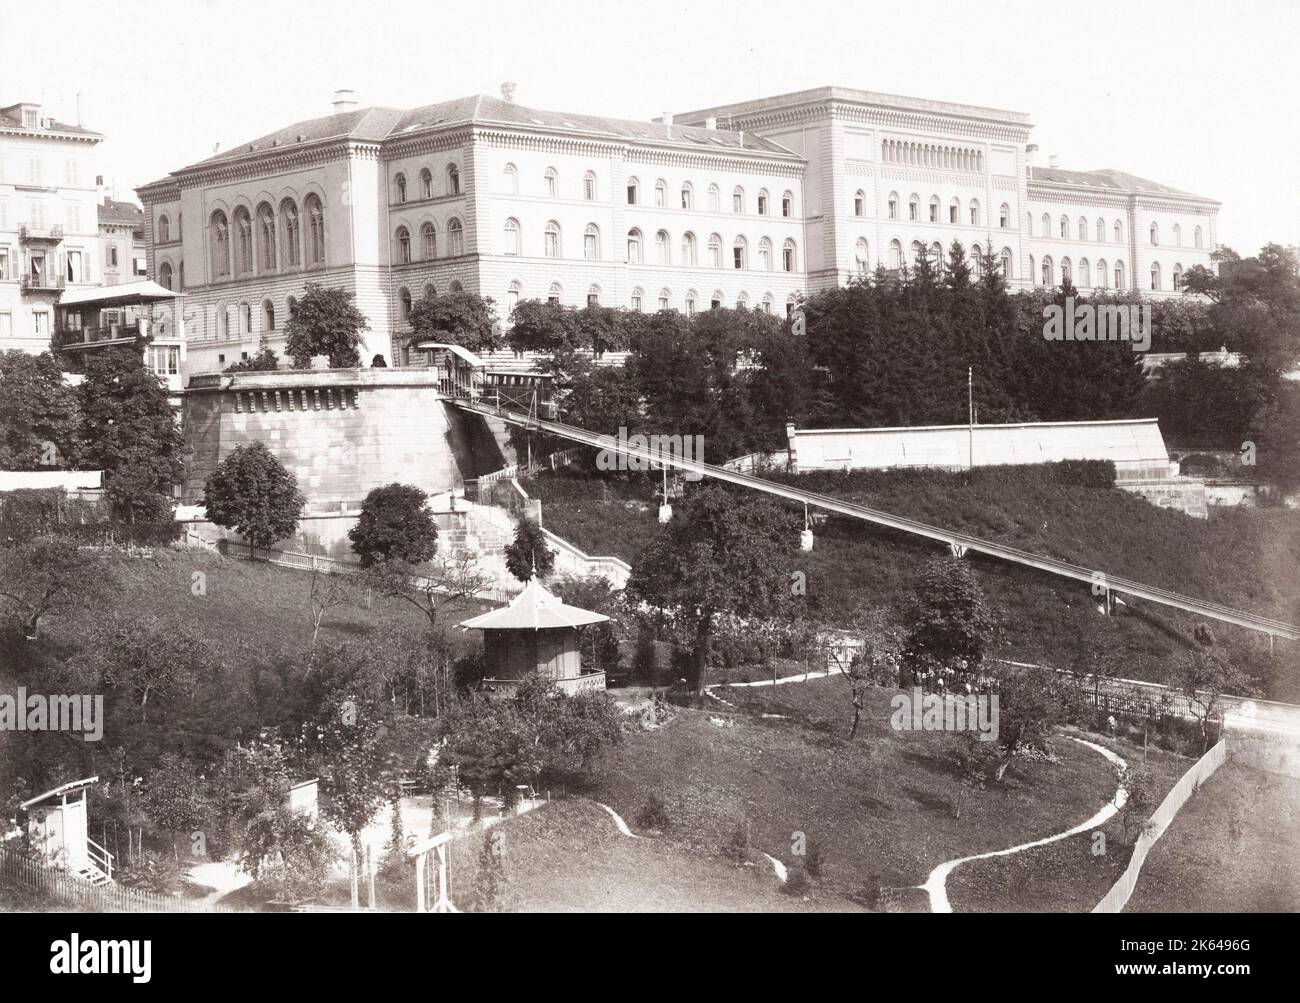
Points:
(463, 353)
(59, 792)
(126, 294)
(534, 609)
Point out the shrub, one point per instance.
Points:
(653, 814)
(797, 881)
(1085, 473)
(394, 524)
(739, 847)
(252, 493)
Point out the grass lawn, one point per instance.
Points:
(1234, 847)
(879, 807)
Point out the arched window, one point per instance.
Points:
(740, 253)
(789, 306)
(223, 321)
(688, 195)
(633, 190)
(715, 251)
(765, 255)
(455, 287)
(635, 301)
(1101, 231)
(180, 271)
(860, 255)
(243, 241)
(268, 315)
(399, 184)
(455, 237)
(914, 207)
(315, 230)
(453, 179)
(1103, 279)
(934, 210)
(430, 290)
(591, 242)
(1198, 239)
(634, 246)
(1081, 228)
(893, 205)
(1067, 271)
(244, 318)
(788, 262)
(787, 204)
(976, 258)
(1049, 275)
(1006, 259)
(511, 236)
(742, 301)
(164, 229)
(895, 255)
(551, 182)
(663, 248)
(403, 246)
(859, 203)
(688, 248)
(554, 294)
(974, 212)
(715, 300)
(936, 256)
(429, 240)
(266, 236)
(589, 186)
(1177, 276)
(404, 305)
(691, 298)
(1119, 232)
(1155, 275)
(767, 302)
(511, 179)
(1085, 274)
(426, 183)
(220, 244)
(290, 230)
(1065, 228)
(1178, 235)
(1047, 225)
(593, 295)
(665, 298)
(1033, 274)
(764, 208)
(1155, 234)
(713, 196)
(661, 193)
(918, 252)
(1004, 216)
(551, 240)
(165, 275)
(1119, 275)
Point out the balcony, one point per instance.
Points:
(28, 234)
(43, 283)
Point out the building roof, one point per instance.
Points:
(1108, 179)
(59, 791)
(378, 124)
(123, 294)
(11, 119)
(853, 95)
(534, 609)
(120, 213)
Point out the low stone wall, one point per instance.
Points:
(1186, 494)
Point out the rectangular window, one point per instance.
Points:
(4, 214)
(74, 218)
(41, 323)
(738, 203)
(589, 247)
(4, 263)
(631, 194)
(70, 174)
(762, 205)
(34, 170)
(36, 210)
(6, 325)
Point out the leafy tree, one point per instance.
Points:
(394, 524)
(464, 319)
(49, 576)
(723, 553)
(327, 591)
(528, 554)
(1204, 678)
(174, 798)
(600, 641)
(950, 625)
(128, 430)
(265, 360)
(542, 326)
(439, 590)
(325, 321)
(252, 493)
(288, 855)
(144, 658)
(39, 420)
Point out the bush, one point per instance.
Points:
(1084, 473)
(653, 814)
(395, 523)
(739, 847)
(797, 882)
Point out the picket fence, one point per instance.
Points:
(1190, 782)
(17, 868)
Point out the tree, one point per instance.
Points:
(950, 625)
(48, 576)
(394, 524)
(528, 555)
(174, 798)
(723, 553)
(327, 592)
(1204, 678)
(129, 431)
(144, 658)
(325, 322)
(265, 360)
(39, 418)
(464, 319)
(440, 589)
(252, 493)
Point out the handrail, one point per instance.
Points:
(960, 542)
(104, 859)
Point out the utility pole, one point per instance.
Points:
(970, 404)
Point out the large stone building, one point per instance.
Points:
(747, 204)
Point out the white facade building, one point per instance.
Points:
(749, 204)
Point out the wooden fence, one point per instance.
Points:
(1188, 785)
(16, 868)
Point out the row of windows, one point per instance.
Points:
(429, 242)
(1088, 276)
(935, 210)
(687, 251)
(1081, 230)
(935, 254)
(256, 247)
(894, 151)
(685, 196)
(1198, 238)
(451, 184)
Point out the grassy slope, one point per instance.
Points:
(1234, 847)
(1245, 558)
(879, 805)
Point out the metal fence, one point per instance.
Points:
(17, 868)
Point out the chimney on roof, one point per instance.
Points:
(668, 122)
(345, 99)
(711, 122)
(1031, 154)
(508, 92)
(1053, 160)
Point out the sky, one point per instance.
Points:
(1203, 96)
